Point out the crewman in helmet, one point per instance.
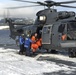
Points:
(27, 45)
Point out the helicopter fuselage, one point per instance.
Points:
(55, 25)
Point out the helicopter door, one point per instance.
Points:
(46, 34)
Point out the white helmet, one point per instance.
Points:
(28, 35)
(22, 34)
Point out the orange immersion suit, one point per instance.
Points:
(34, 46)
(39, 42)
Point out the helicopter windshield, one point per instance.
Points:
(72, 26)
(71, 33)
(42, 18)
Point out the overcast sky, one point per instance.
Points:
(25, 12)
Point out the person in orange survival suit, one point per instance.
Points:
(39, 43)
(34, 45)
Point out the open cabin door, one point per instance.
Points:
(46, 34)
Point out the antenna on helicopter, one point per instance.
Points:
(8, 13)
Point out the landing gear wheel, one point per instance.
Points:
(47, 50)
(72, 53)
(54, 51)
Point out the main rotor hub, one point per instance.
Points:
(50, 3)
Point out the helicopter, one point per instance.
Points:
(56, 28)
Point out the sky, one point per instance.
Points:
(25, 12)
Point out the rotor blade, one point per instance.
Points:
(66, 2)
(21, 7)
(67, 6)
(40, 3)
(43, 4)
(25, 1)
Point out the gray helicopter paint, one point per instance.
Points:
(54, 41)
(51, 16)
(68, 44)
(46, 33)
(53, 20)
(53, 37)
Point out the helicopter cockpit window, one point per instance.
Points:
(71, 31)
(42, 19)
(72, 26)
(61, 28)
(45, 29)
